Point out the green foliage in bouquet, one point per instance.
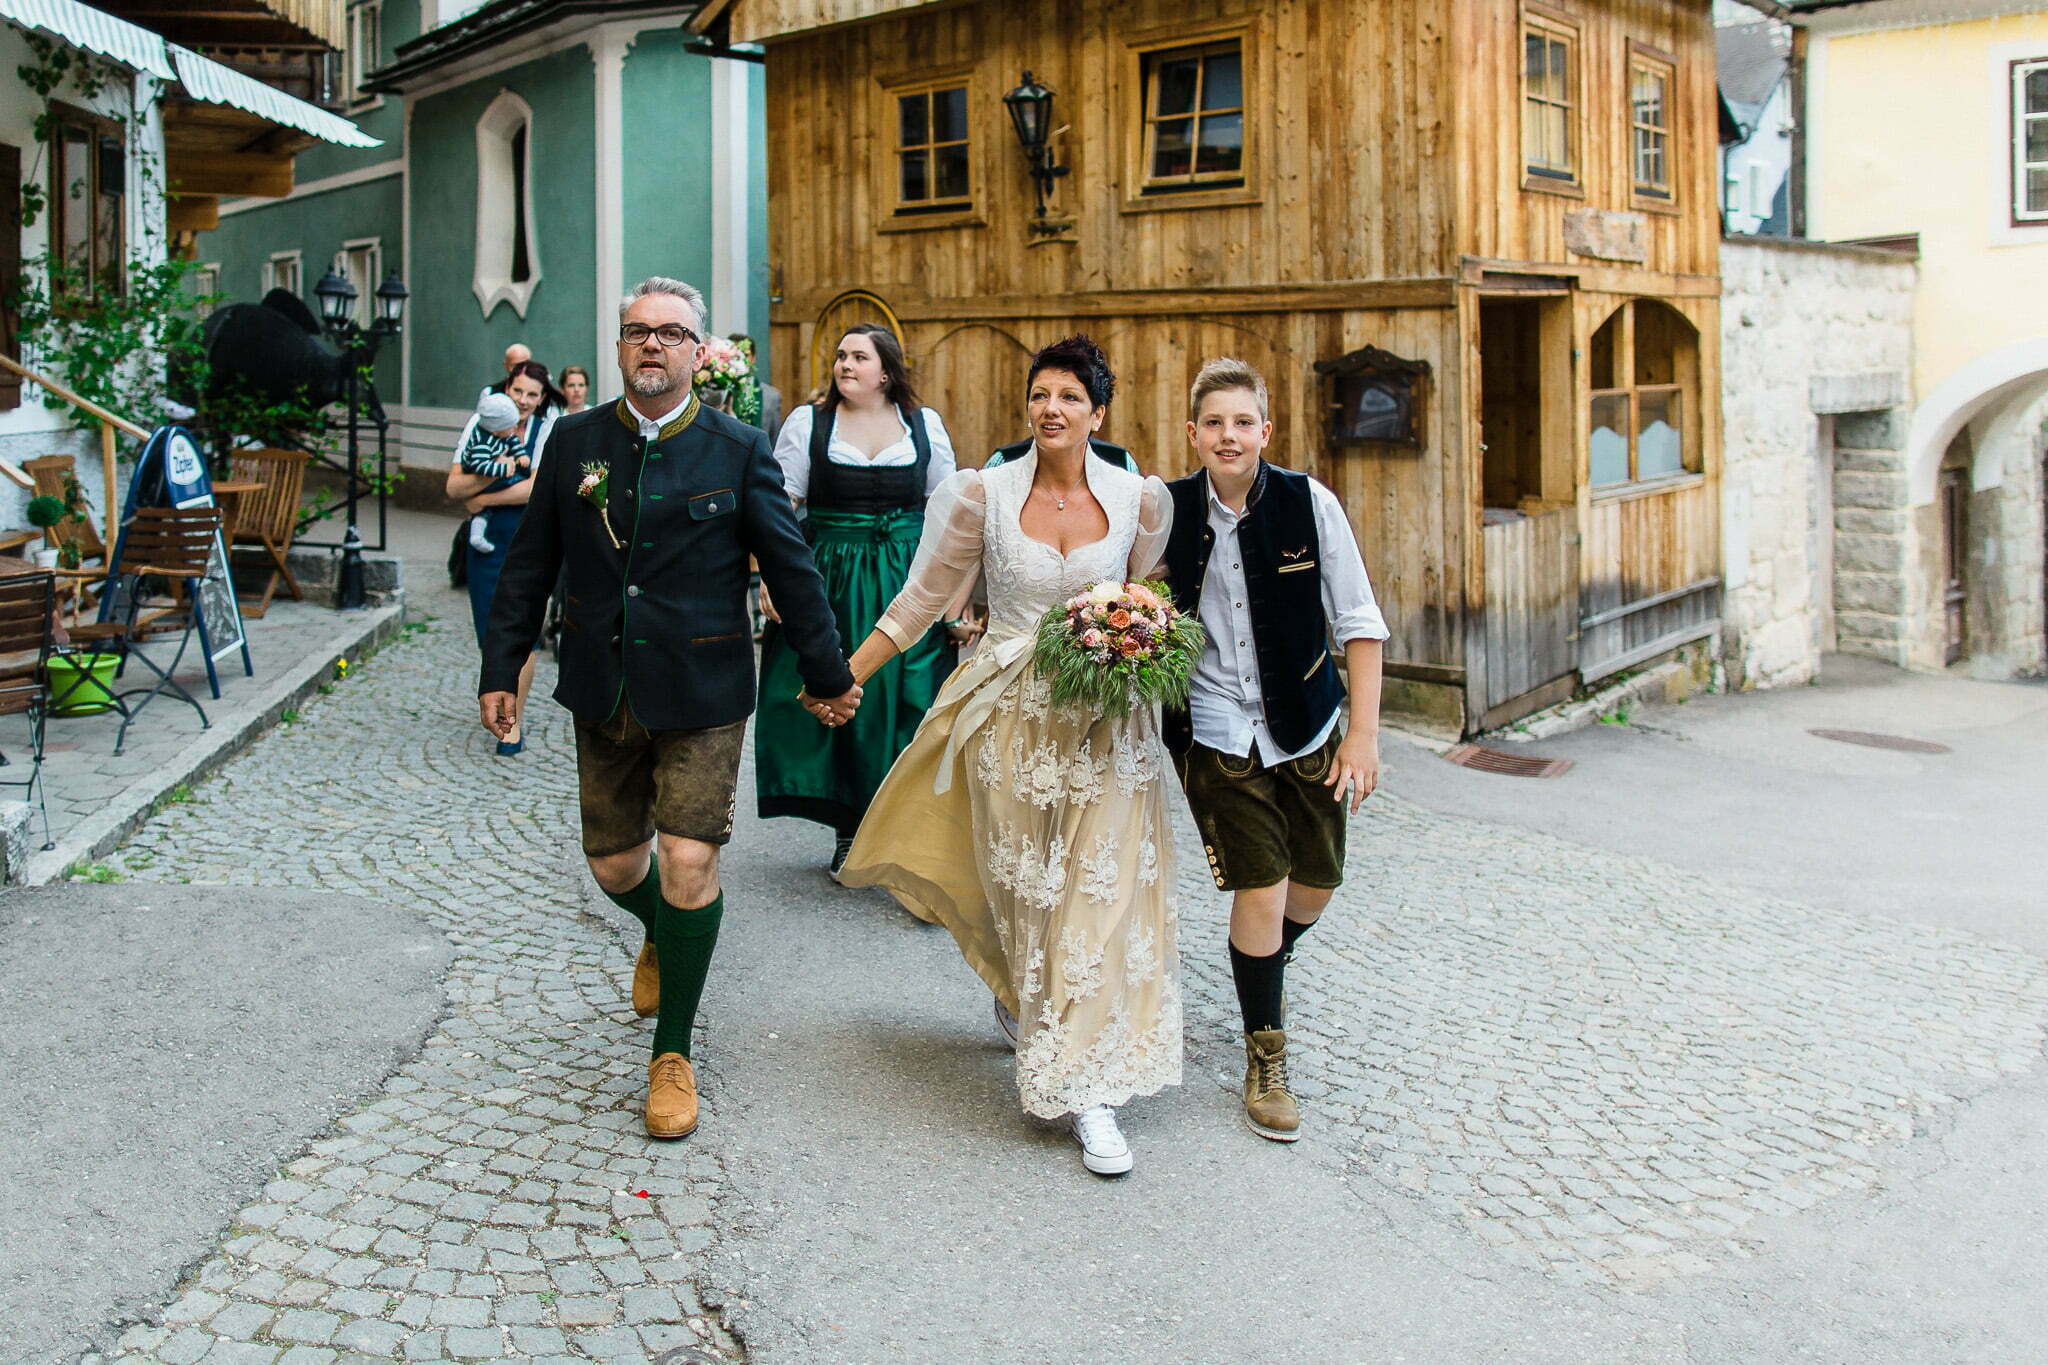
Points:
(1117, 646)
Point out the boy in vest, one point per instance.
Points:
(1264, 556)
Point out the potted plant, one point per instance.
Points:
(45, 512)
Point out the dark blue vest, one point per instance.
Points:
(1282, 557)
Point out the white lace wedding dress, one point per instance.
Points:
(1038, 836)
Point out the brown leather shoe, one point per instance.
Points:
(646, 982)
(1269, 1105)
(671, 1096)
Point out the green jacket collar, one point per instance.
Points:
(631, 419)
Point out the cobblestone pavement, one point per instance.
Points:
(1605, 1070)
(499, 1199)
(82, 775)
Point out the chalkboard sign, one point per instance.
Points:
(171, 472)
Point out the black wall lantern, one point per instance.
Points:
(1030, 106)
(359, 349)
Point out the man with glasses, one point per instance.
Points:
(652, 506)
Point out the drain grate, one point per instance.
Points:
(1509, 765)
(1871, 740)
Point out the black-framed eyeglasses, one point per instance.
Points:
(671, 334)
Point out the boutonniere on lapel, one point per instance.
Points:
(595, 488)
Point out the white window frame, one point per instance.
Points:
(492, 280)
(363, 52)
(2016, 132)
(372, 249)
(206, 280)
(284, 265)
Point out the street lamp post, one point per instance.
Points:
(358, 349)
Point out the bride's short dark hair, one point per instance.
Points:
(1081, 358)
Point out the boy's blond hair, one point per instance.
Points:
(1227, 373)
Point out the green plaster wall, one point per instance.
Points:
(757, 219)
(666, 95)
(315, 226)
(400, 23)
(454, 348)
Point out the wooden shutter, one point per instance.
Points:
(10, 271)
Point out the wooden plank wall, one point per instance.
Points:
(1498, 219)
(1532, 603)
(755, 21)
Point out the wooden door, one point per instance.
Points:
(1532, 603)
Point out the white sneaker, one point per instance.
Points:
(1103, 1149)
(1007, 1022)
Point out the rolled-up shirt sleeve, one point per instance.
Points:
(1348, 601)
(948, 556)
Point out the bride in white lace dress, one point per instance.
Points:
(1038, 835)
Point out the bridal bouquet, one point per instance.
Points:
(723, 367)
(1116, 646)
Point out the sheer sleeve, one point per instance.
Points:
(948, 557)
(1155, 524)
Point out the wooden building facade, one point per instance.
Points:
(1471, 243)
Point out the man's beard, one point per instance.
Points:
(649, 384)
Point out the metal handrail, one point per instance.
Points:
(109, 423)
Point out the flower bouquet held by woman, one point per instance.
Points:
(725, 379)
(1116, 646)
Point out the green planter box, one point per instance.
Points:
(93, 677)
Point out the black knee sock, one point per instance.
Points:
(643, 901)
(683, 942)
(1290, 930)
(1260, 983)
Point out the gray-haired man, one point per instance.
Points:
(652, 505)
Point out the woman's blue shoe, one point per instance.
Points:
(507, 748)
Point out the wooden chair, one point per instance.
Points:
(28, 617)
(268, 520)
(175, 543)
(50, 473)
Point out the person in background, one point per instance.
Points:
(517, 354)
(860, 464)
(492, 450)
(575, 389)
(502, 502)
(771, 397)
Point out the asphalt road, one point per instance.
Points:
(167, 1048)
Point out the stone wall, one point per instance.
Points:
(1816, 348)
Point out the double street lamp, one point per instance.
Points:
(358, 350)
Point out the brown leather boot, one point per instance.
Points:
(671, 1096)
(1269, 1105)
(646, 982)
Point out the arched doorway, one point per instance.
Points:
(855, 305)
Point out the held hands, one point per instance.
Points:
(500, 711)
(965, 630)
(1355, 771)
(832, 712)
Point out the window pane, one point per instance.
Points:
(74, 181)
(1648, 97)
(2036, 87)
(1174, 90)
(1223, 82)
(1560, 71)
(914, 182)
(1601, 372)
(1535, 64)
(952, 171)
(1222, 146)
(1658, 337)
(2037, 139)
(1608, 454)
(913, 127)
(2037, 189)
(1171, 147)
(1553, 126)
(1659, 449)
(949, 115)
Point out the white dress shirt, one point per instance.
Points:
(793, 451)
(650, 427)
(1226, 703)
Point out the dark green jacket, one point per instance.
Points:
(662, 620)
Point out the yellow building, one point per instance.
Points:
(1930, 120)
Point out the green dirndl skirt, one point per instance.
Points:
(802, 768)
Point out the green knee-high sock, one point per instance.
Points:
(643, 902)
(683, 940)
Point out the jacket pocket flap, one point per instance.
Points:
(716, 503)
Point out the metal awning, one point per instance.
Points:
(95, 31)
(205, 80)
(208, 81)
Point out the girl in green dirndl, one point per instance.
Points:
(859, 463)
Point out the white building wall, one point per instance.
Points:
(1816, 353)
